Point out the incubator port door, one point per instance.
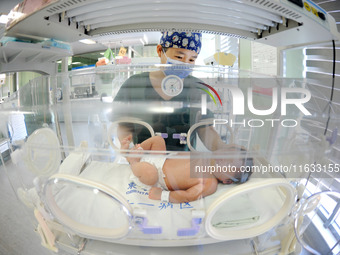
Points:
(74, 202)
(239, 214)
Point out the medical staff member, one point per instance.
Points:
(169, 84)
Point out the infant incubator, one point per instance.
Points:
(74, 177)
(82, 188)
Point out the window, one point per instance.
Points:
(318, 62)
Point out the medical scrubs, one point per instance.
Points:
(137, 92)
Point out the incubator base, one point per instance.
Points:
(239, 247)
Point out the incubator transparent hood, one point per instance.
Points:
(80, 183)
(75, 136)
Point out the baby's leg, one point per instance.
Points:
(145, 172)
(125, 143)
(155, 143)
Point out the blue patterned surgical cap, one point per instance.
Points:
(183, 40)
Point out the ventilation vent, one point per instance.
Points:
(64, 6)
(277, 8)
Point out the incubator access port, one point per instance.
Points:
(319, 214)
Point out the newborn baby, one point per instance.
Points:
(173, 175)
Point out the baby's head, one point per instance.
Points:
(236, 169)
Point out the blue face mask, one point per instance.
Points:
(180, 69)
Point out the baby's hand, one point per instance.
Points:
(155, 193)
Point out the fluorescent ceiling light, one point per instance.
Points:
(107, 100)
(162, 110)
(145, 39)
(75, 63)
(3, 19)
(15, 15)
(87, 41)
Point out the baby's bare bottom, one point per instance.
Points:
(144, 171)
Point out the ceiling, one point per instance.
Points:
(331, 6)
(102, 42)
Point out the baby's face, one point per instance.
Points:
(229, 167)
(229, 170)
(226, 178)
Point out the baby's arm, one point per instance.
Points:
(181, 196)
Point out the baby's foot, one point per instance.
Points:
(124, 144)
(137, 149)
